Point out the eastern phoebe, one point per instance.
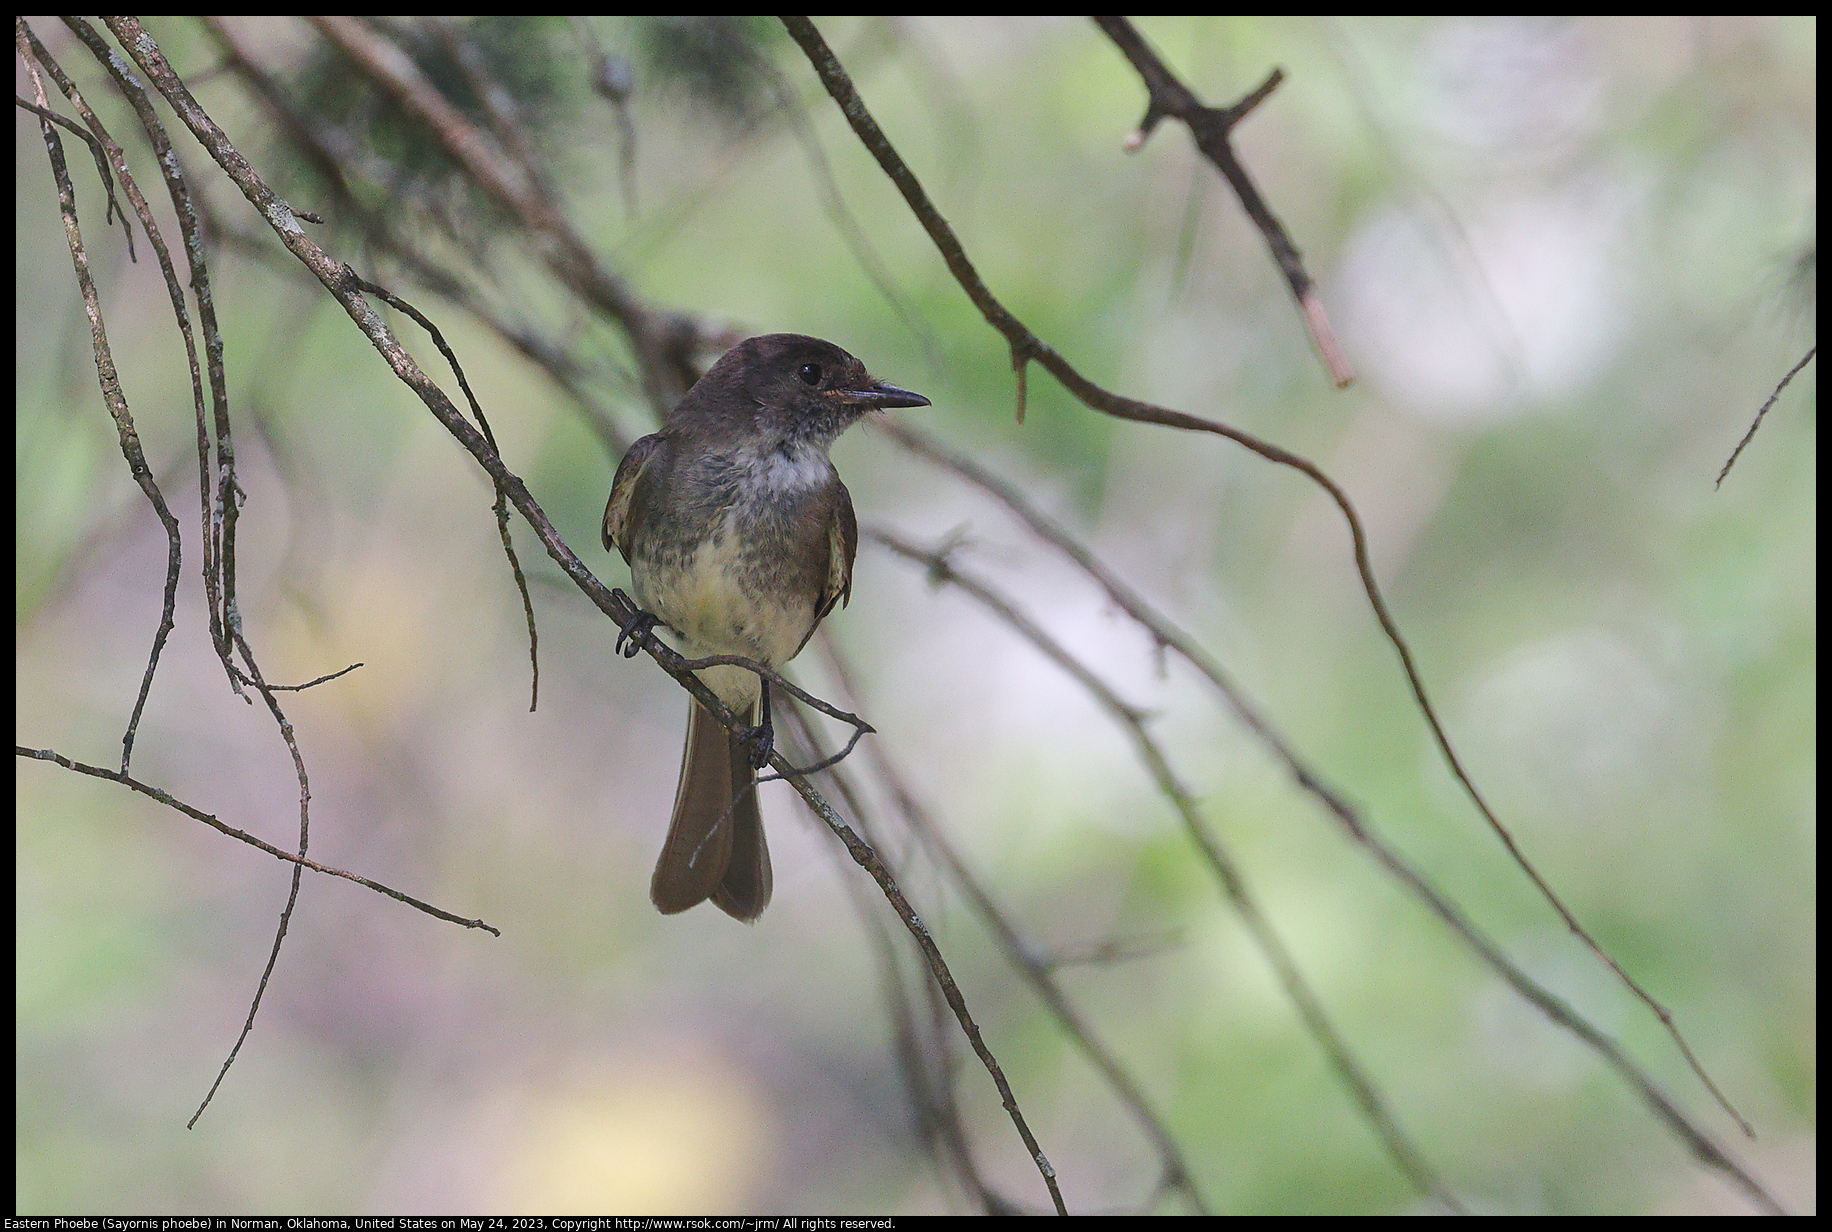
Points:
(740, 538)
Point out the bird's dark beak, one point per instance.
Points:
(883, 396)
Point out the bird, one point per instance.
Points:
(740, 539)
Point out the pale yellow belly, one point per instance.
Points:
(714, 613)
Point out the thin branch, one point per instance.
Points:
(868, 860)
(1168, 634)
(828, 762)
(292, 897)
(95, 151)
(1026, 346)
(1757, 422)
(329, 676)
(764, 672)
(934, 1094)
(172, 802)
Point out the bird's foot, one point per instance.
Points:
(640, 624)
(760, 741)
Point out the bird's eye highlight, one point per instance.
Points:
(809, 373)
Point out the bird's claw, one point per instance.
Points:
(760, 742)
(630, 635)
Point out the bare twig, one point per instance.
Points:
(292, 896)
(329, 676)
(95, 151)
(764, 672)
(1212, 128)
(1757, 421)
(172, 802)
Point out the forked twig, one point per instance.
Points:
(1212, 128)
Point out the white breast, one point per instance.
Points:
(792, 470)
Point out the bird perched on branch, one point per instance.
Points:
(740, 537)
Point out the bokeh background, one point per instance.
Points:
(1570, 260)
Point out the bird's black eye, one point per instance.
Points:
(809, 373)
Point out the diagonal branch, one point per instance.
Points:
(1486, 950)
(933, 1092)
(1757, 421)
(868, 860)
(172, 802)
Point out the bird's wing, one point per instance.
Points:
(622, 512)
(842, 546)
